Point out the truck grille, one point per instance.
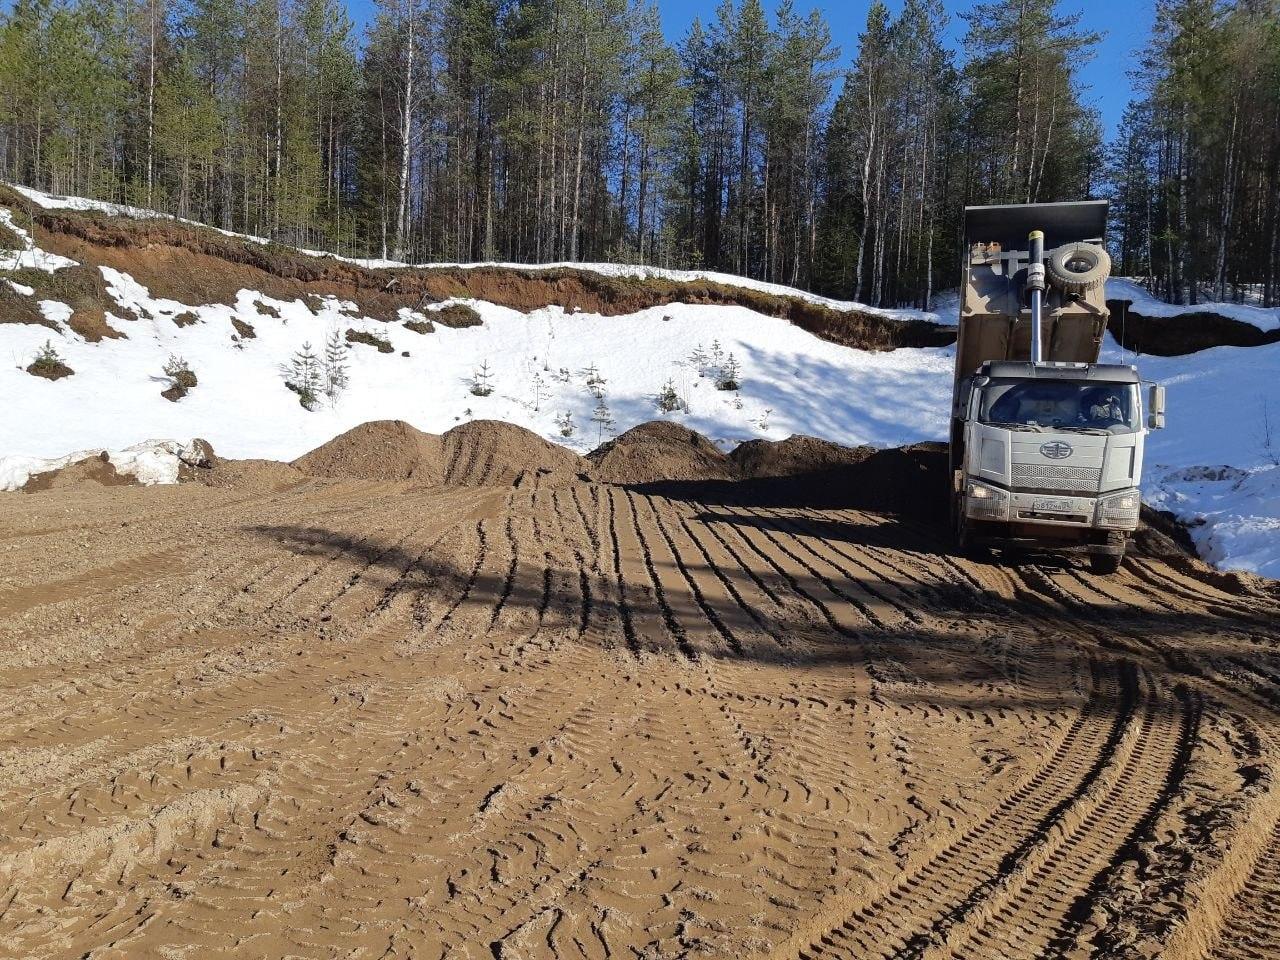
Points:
(1051, 476)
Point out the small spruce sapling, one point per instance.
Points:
(602, 418)
(729, 378)
(566, 424)
(669, 400)
(539, 391)
(595, 382)
(336, 378)
(482, 380)
(179, 371)
(47, 359)
(304, 377)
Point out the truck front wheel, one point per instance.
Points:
(1105, 564)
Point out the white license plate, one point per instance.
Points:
(1051, 506)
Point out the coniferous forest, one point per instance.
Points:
(545, 130)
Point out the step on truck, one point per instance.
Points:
(1046, 442)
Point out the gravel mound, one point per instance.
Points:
(378, 450)
(794, 456)
(658, 452)
(252, 475)
(493, 453)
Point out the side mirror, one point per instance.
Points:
(1155, 407)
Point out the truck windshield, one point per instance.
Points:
(1088, 406)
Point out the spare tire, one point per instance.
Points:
(1078, 267)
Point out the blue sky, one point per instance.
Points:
(1125, 23)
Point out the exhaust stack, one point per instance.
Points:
(1035, 283)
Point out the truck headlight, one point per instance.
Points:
(1120, 509)
(986, 503)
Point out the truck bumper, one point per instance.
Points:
(1032, 537)
(1040, 515)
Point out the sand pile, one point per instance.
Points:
(657, 452)
(479, 453)
(794, 456)
(493, 453)
(378, 450)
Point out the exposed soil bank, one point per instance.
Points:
(196, 265)
(1182, 334)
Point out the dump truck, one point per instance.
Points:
(1046, 443)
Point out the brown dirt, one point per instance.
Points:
(457, 315)
(492, 453)
(358, 336)
(1183, 334)
(420, 326)
(479, 453)
(658, 452)
(97, 470)
(288, 716)
(245, 330)
(49, 370)
(19, 308)
(794, 456)
(255, 476)
(92, 324)
(380, 450)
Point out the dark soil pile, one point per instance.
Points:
(794, 456)
(660, 452)
(378, 450)
(493, 453)
(50, 369)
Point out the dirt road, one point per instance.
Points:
(366, 720)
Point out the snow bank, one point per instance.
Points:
(1220, 402)
(1122, 288)
(149, 463)
(792, 382)
(1234, 514)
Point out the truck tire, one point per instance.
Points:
(1105, 564)
(1076, 268)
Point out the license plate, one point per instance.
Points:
(1051, 506)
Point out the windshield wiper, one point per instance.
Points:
(1011, 425)
(1093, 431)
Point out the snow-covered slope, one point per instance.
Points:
(542, 365)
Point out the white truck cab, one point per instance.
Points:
(1046, 443)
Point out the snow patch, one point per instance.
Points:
(1233, 514)
(31, 257)
(149, 463)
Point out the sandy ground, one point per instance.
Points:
(363, 719)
